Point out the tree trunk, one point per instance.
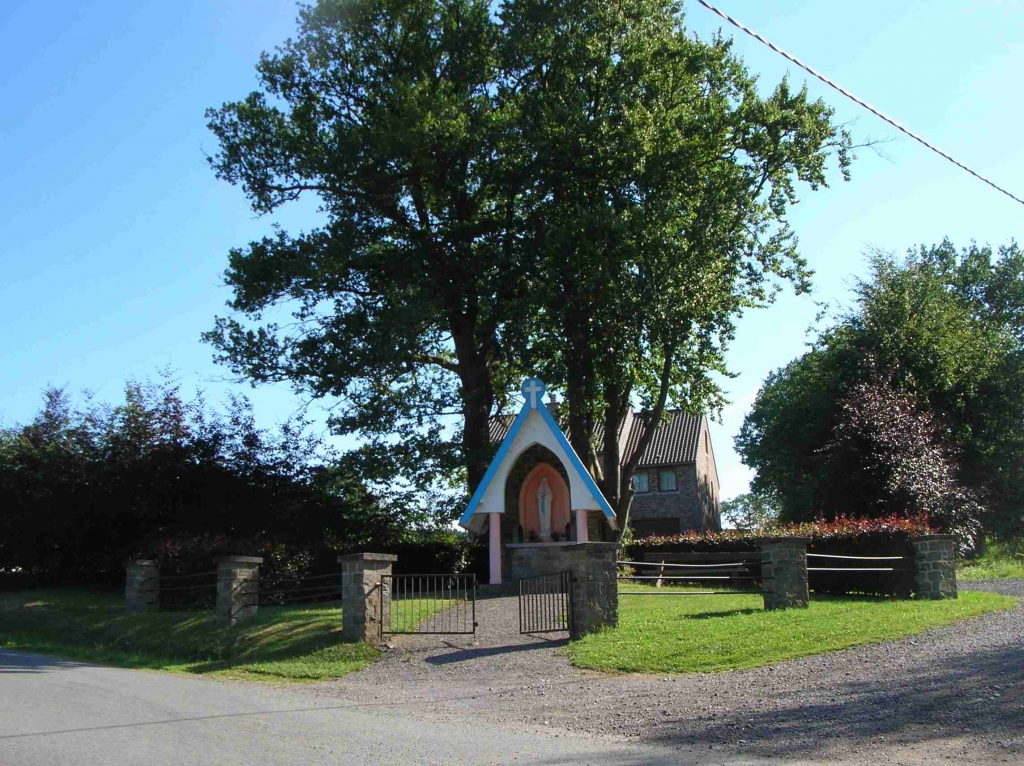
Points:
(651, 420)
(477, 398)
(616, 407)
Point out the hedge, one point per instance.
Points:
(886, 536)
(440, 553)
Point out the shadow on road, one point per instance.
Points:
(481, 652)
(16, 662)
(984, 697)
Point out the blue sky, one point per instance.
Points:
(114, 233)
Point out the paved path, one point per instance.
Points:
(54, 712)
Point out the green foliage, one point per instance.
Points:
(998, 561)
(695, 634)
(577, 189)
(85, 488)
(749, 512)
(396, 116)
(664, 187)
(938, 336)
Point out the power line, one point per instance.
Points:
(853, 98)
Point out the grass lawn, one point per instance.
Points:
(685, 634)
(1000, 562)
(283, 643)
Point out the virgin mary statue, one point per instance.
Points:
(544, 496)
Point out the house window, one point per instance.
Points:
(640, 482)
(667, 481)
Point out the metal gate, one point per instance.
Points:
(428, 604)
(545, 603)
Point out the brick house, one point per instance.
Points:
(676, 481)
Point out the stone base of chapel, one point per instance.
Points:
(532, 559)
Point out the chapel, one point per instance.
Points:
(537, 497)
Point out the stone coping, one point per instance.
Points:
(552, 544)
(931, 537)
(142, 563)
(241, 560)
(367, 557)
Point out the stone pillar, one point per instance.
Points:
(784, 572)
(238, 584)
(362, 595)
(142, 587)
(934, 566)
(494, 547)
(595, 593)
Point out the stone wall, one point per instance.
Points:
(539, 559)
(595, 595)
(784, 573)
(363, 598)
(142, 587)
(238, 586)
(935, 566)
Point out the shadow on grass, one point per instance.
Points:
(95, 627)
(718, 615)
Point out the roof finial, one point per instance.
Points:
(532, 389)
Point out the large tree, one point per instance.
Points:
(945, 326)
(577, 188)
(663, 184)
(394, 114)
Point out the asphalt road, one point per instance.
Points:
(56, 712)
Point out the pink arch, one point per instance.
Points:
(529, 516)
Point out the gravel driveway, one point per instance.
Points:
(952, 693)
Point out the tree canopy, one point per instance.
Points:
(915, 396)
(574, 188)
(86, 487)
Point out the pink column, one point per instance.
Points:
(581, 526)
(494, 523)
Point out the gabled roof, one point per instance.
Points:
(533, 425)
(676, 441)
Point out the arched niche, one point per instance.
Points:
(512, 530)
(529, 515)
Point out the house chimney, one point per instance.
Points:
(553, 404)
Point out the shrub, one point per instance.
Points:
(885, 536)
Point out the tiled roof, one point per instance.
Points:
(676, 440)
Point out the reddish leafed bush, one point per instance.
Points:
(841, 527)
(843, 536)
